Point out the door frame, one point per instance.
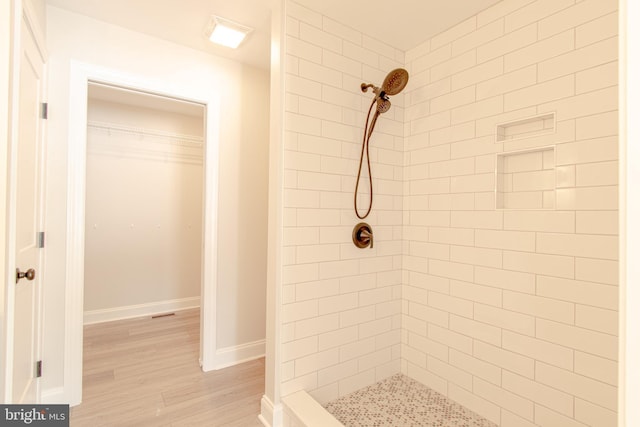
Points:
(20, 13)
(629, 213)
(81, 75)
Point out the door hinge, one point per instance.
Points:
(44, 110)
(38, 368)
(40, 239)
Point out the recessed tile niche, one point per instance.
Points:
(527, 128)
(526, 179)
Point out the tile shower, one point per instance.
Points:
(493, 280)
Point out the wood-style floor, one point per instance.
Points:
(145, 372)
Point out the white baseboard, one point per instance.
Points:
(53, 396)
(270, 414)
(230, 356)
(139, 310)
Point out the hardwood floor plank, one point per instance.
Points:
(228, 415)
(145, 372)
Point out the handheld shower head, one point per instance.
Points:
(383, 105)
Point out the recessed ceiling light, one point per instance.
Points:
(225, 32)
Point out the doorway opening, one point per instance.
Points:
(143, 235)
(86, 81)
(143, 204)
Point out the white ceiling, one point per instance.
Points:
(400, 23)
(403, 24)
(183, 22)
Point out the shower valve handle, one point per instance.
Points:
(366, 236)
(363, 235)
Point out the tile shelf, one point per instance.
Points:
(526, 128)
(526, 179)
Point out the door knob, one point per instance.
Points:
(30, 274)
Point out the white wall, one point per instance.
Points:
(244, 129)
(143, 238)
(514, 312)
(341, 305)
(242, 222)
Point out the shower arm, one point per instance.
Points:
(364, 87)
(376, 90)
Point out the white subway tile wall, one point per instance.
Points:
(342, 305)
(511, 312)
(526, 324)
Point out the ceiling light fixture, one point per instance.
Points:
(225, 32)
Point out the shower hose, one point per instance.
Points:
(365, 147)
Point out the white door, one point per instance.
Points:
(28, 185)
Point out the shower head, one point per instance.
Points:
(383, 105)
(395, 81)
(393, 84)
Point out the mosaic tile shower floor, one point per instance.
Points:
(399, 401)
